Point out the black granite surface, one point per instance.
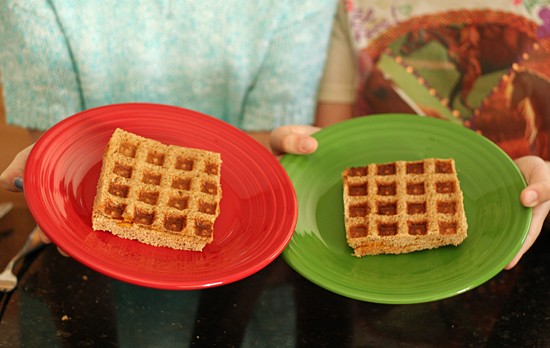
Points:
(62, 303)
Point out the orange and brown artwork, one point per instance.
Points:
(488, 70)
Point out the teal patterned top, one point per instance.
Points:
(255, 64)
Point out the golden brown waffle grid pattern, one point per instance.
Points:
(163, 195)
(403, 206)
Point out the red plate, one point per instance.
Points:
(258, 207)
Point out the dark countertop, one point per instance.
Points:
(62, 303)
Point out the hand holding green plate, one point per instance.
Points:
(491, 183)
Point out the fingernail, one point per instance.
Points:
(307, 145)
(531, 197)
(18, 182)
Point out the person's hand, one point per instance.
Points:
(294, 139)
(536, 195)
(12, 180)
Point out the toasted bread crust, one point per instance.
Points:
(162, 195)
(401, 207)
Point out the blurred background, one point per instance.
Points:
(12, 140)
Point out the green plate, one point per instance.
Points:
(491, 183)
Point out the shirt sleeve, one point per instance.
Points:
(32, 46)
(339, 80)
(285, 90)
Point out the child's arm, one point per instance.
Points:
(331, 113)
(337, 89)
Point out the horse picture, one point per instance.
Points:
(474, 50)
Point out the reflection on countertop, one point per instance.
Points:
(62, 303)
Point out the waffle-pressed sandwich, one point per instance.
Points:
(162, 195)
(402, 206)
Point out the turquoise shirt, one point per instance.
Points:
(254, 64)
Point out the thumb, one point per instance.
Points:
(16, 169)
(295, 139)
(537, 174)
